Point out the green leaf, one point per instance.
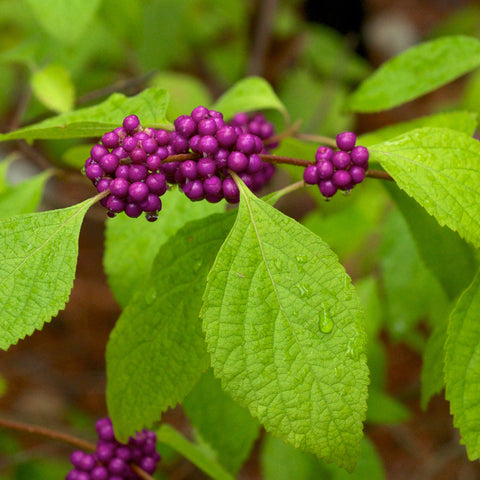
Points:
(282, 462)
(38, 256)
(274, 289)
(461, 121)
(150, 106)
(156, 352)
(449, 258)
(53, 86)
(131, 244)
(4, 166)
(75, 156)
(462, 367)
(23, 197)
(415, 72)
(440, 169)
(432, 377)
(65, 21)
(252, 93)
(174, 439)
(216, 416)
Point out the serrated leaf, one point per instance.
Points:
(226, 426)
(156, 352)
(440, 169)
(150, 107)
(131, 244)
(38, 256)
(461, 121)
(252, 93)
(174, 439)
(65, 21)
(415, 72)
(272, 290)
(448, 257)
(462, 367)
(53, 86)
(23, 197)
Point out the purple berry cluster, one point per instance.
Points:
(341, 169)
(112, 460)
(220, 148)
(128, 163)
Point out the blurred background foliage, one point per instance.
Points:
(56, 56)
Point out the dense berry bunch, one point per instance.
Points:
(127, 162)
(112, 460)
(341, 169)
(220, 148)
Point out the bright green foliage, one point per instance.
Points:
(440, 169)
(156, 351)
(23, 197)
(252, 93)
(171, 437)
(53, 86)
(286, 333)
(65, 21)
(411, 290)
(134, 241)
(432, 376)
(226, 426)
(281, 462)
(419, 70)
(449, 258)
(150, 107)
(462, 367)
(461, 121)
(38, 256)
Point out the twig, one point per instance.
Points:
(379, 174)
(316, 138)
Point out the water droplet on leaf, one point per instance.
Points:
(301, 258)
(325, 323)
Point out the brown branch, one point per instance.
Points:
(291, 131)
(280, 159)
(379, 174)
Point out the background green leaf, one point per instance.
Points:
(251, 93)
(65, 21)
(462, 367)
(413, 73)
(156, 352)
(274, 289)
(150, 106)
(440, 169)
(53, 86)
(226, 426)
(38, 256)
(174, 439)
(131, 244)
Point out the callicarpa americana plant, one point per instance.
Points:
(237, 311)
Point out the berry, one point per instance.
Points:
(341, 179)
(185, 126)
(131, 123)
(327, 188)
(310, 175)
(323, 153)
(346, 141)
(359, 156)
(357, 173)
(325, 169)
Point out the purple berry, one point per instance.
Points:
(327, 188)
(154, 162)
(212, 185)
(97, 152)
(76, 458)
(189, 169)
(208, 144)
(359, 156)
(206, 167)
(246, 143)
(194, 191)
(94, 172)
(137, 173)
(310, 175)
(151, 204)
(117, 466)
(122, 171)
(148, 464)
(237, 161)
(325, 169)
(138, 155)
(207, 126)
(157, 183)
(110, 140)
(323, 153)
(178, 143)
(115, 205)
(341, 179)
(99, 473)
(131, 123)
(162, 137)
(119, 187)
(185, 126)
(129, 143)
(133, 210)
(199, 113)
(340, 160)
(255, 163)
(120, 153)
(226, 136)
(346, 141)
(138, 191)
(230, 190)
(239, 119)
(104, 184)
(357, 173)
(87, 463)
(109, 163)
(150, 145)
